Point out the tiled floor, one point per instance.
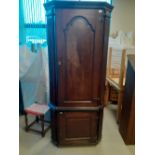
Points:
(111, 143)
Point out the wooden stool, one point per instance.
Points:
(38, 110)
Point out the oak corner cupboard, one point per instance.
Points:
(77, 33)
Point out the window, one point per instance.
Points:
(34, 12)
(34, 21)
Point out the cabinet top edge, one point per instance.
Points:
(78, 4)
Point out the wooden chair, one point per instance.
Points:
(38, 110)
(116, 75)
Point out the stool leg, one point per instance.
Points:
(37, 119)
(26, 122)
(42, 125)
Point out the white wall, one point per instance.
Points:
(123, 16)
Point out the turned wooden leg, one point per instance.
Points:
(42, 125)
(26, 122)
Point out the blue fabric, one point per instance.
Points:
(51, 106)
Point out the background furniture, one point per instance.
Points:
(116, 74)
(120, 45)
(38, 110)
(78, 35)
(127, 119)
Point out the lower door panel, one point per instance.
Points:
(76, 128)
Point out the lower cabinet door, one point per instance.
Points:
(77, 128)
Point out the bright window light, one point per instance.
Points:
(34, 11)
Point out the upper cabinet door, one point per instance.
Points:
(79, 42)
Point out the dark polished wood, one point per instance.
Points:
(77, 128)
(127, 120)
(78, 4)
(77, 44)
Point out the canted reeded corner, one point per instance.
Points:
(38, 110)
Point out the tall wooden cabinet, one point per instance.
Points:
(77, 44)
